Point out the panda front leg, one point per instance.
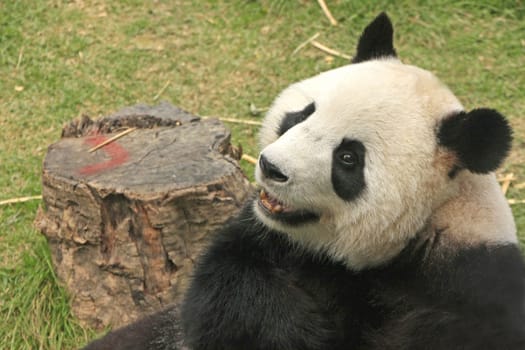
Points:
(243, 296)
(159, 331)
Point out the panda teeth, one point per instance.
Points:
(270, 203)
(277, 209)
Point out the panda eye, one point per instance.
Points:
(348, 158)
(293, 118)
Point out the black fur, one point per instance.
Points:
(376, 41)
(348, 181)
(481, 139)
(253, 289)
(293, 118)
(470, 298)
(160, 331)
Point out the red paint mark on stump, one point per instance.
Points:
(117, 154)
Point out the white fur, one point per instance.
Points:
(480, 201)
(393, 109)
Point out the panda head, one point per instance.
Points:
(356, 161)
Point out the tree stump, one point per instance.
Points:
(125, 223)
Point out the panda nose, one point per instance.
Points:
(271, 171)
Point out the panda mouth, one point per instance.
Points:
(277, 210)
(272, 204)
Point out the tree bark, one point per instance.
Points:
(126, 222)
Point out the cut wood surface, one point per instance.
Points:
(126, 222)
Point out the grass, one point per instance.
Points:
(37, 314)
(61, 59)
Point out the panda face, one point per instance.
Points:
(355, 160)
(350, 155)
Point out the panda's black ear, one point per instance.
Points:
(376, 41)
(481, 139)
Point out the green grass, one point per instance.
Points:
(93, 57)
(34, 308)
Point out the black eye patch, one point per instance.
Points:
(291, 119)
(348, 163)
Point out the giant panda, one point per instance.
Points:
(379, 224)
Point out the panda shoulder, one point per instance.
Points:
(478, 214)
